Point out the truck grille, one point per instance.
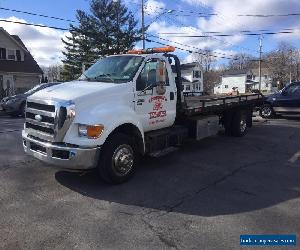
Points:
(47, 120)
(39, 106)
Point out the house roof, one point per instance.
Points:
(186, 66)
(21, 44)
(264, 71)
(233, 72)
(29, 65)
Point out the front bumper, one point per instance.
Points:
(66, 157)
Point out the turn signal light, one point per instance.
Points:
(94, 131)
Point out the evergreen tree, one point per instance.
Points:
(108, 29)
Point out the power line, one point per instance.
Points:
(269, 15)
(211, 37)
(242, 31)
(246, 34)
(36, 14)
(190, 46)
(214, 38)
(31, 24)
(182, 11)
(191, 51)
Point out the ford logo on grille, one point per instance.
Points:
(38, 118)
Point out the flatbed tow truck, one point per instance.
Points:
(123, 107)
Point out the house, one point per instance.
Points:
(192, 77)
(245, 80)
(266, 80)
(18, 69)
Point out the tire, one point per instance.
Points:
(267, 111)
(22, 109)
(118, 159)
(239, 124)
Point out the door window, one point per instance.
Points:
(147, 78)
(293, 89)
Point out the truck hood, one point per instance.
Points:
(72, 90)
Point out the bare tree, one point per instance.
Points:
(242, 61)
(205, 58)
(284, 63)
(53, 72)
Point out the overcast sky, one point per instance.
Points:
(45, 44)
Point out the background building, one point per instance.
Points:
(18, 69)
(192, 77)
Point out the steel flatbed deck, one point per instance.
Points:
(195, 105)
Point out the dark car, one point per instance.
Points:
(15, 105)
(285, 102)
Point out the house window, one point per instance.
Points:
(226, 86)
(18, 54)
(11, 54)
(187, 87)
(2, 53)
(197, 74)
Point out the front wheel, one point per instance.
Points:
(118, 159)
(267, 111)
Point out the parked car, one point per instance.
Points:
(285, 102)
(15, 105)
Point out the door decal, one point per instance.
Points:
(158, 109)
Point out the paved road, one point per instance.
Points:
(201, 197)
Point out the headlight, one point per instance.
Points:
(90, 131)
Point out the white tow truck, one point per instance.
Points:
(123, 107)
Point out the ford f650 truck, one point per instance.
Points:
(123, 107)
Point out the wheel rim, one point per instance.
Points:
(243, 125)
(266, 111)
(122, 160)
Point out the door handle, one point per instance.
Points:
(171, 96)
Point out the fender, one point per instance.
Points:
(110, 117)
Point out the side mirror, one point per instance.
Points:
(161, 78)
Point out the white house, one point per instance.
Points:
(192, 77)
(266, 80)
(244, 80)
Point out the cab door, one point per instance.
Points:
(155, 100)
(288, 101)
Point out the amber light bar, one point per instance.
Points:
(152, 50)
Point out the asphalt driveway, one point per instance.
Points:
(201, 197)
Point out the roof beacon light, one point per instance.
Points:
(152, 50)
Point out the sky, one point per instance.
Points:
(168, 16)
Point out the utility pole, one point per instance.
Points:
(143, 25)
(259, 63)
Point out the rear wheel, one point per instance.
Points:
(118, 159)
(267, 111)
(239, 124)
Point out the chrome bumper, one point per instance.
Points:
(62, 156)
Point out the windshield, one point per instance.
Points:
(115, 69)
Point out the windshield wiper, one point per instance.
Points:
(106, 76)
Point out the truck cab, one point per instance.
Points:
(122, 107)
